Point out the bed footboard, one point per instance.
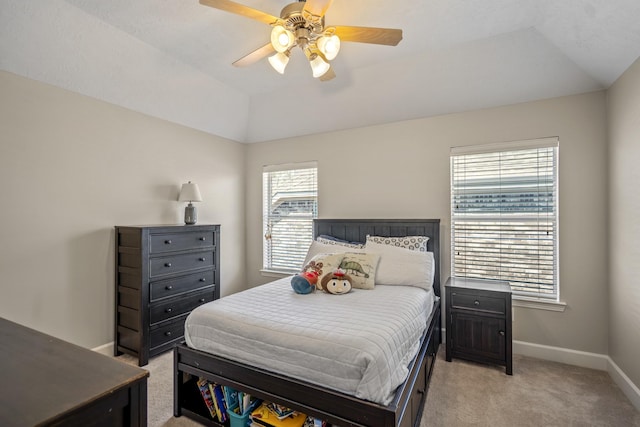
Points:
(320, 402)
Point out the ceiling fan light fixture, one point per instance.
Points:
(318, 65)
(281, 38)
(329, 45)
(279, 61)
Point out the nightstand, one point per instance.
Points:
(478, 321)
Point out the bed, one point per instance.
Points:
(338, 404)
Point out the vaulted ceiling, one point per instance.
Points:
(172, 59)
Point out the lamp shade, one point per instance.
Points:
(279, 61)
(281, 38)
(318, 65)
(329, 45)
(190, 193)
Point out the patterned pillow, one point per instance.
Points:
(328, 240)
(415, 243)
(329, 263)
(362, 269)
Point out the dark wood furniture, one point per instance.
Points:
(50, 382)
(478, 321)
(321, 402)
(162, 273)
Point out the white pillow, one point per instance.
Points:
(333, 241)
(400, 266)
(322, 248)
(416, 243)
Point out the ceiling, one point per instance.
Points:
(172, 59)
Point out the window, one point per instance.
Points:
(504, 215)
(290, 203)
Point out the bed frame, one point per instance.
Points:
(320, 402)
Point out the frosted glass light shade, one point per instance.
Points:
(329, 46)
(279, 61)
(190, 193)
(318, 65)
(281, 38)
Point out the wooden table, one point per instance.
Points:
(50, 382)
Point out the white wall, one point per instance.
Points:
(71, 168)
(624, 222)
(401, 170)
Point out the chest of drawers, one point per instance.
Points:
(162, 273)
(478, 321)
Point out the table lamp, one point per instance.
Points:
(190, 193)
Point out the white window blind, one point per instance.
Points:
(290, 203)
(504, 215)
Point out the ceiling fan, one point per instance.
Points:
(302, 24)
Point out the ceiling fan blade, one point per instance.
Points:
(386, 36)
(329, 75)
(240, 9)
(255, 56)
(317, 7)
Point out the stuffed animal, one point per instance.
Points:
(305, 282)
(336, 283)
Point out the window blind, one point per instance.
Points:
(290, 203)
(504, 211)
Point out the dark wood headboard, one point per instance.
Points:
(356, 230)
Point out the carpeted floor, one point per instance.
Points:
(540, 393)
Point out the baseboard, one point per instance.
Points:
(584, 359)
(626, 385)
(562, 355)
(106, 349)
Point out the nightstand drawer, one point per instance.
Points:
(178, 285)
(477, 302)
(180, 305)
(179, 263)
(170, 242)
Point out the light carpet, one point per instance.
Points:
(465, 394)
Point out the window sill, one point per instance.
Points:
(276, 273)
(538, 303)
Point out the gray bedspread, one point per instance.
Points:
(360, 343)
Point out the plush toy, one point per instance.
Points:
(305, 282)
(336, 283)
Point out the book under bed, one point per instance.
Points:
(361, 359)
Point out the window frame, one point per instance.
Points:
(305, 219)
(524, 299)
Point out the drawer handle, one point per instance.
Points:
(167, 242)
(168, 333)
(501, 333)
(202, 259)
(168, 287)
(476, 302)
(202, 299)
(167, 264)
(202, 239)
(168, 310)
(203, 279)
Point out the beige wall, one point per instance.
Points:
(624, 222)
(71, 168)
(401, 170)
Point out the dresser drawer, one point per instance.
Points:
(178, 285)
(179, 305)
(462, 299)
(166, 332)
(179, 263)
(170, 242)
